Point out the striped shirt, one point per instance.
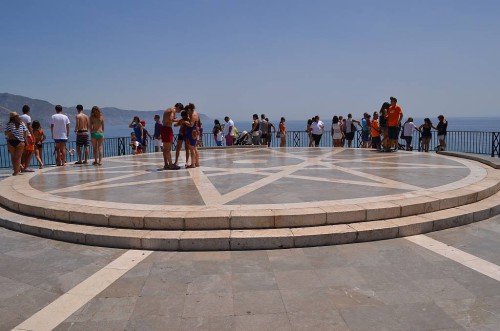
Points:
(17, 132)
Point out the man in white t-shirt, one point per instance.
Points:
(59, 127)
(317, 129)
(30, 143)
(229, 131)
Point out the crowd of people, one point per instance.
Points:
(26, 137)
(382, 131)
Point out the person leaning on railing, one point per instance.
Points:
(16, 133)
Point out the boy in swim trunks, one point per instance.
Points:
(167, 134)
(192, 135)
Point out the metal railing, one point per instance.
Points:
(460, 141)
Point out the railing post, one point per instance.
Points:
(495, 144)
(121, 146)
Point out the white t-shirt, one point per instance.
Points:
(229, 124)
(317, 127)
(25, 118)
(219, 136)
(59, 121)
(408, 129)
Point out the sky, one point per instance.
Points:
(282, 58)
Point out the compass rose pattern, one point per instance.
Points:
(259, 178)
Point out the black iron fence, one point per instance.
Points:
(460, 141)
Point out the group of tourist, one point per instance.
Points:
(25, 137)
(381, 132)
(260, 133)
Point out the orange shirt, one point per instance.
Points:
(375, 129)
(393, 114)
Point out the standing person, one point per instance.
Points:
(192, 135)
(442, 128)
(218, 136)
(157, 134)
(426, 134)
(263, 130)
(229, 130)
(376, 141)
(342, 128)
(38, 137)
(216, 129)
(336, 132)
(384, 130)
(282, 132)
(82, 126)
(317, 129)
(255, 130)
(167, 135)
(269, 133)
(59, 128)
(408, 129)
(365, 130)
(97, 134)
(138, 129)
(200, 134)
(29, 147)
(350, 129)
(181, 138)
(16, 133)
(146, 137)
(394, 117)
(308, 130)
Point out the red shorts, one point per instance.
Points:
(167, 134)
(30, 144)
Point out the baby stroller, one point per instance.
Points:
(244, 138)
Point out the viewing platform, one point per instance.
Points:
(251, 198)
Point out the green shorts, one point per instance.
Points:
(97, 135)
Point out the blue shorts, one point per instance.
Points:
(58, 141)
(366, 136)
(393, 132)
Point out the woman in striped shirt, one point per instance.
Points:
(16, 134)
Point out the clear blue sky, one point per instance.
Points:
(284, 58)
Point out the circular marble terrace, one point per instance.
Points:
(253, 179)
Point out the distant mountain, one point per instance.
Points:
(42, 110)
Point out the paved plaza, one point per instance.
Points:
(383, 285)
(438, 269)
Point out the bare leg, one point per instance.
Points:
(94, 149)
(100, 143)
(38, 155)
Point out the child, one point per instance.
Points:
(146, 136)
(136, 146)
(39, 138)
(218, 137)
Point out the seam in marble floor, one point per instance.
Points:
(470, 261)
(63, 307)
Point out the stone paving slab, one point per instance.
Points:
(383, 285)
(393, 195)
(274, 238)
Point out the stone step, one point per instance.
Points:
(249, 239)
(19, 198)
